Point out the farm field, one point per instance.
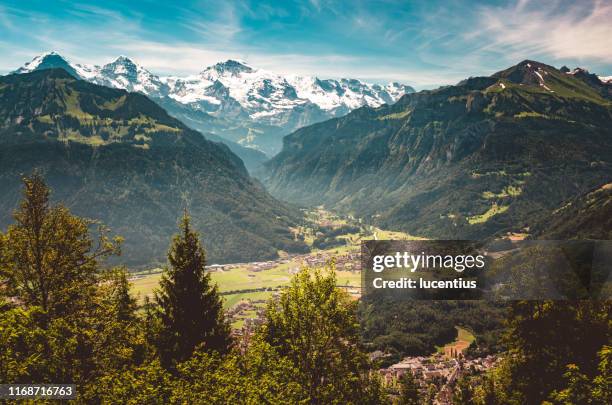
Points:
(242, 279)
(462, 342)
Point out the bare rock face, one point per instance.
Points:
(476, 102)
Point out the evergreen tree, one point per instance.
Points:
(115, 294)
(120, 339)
(151, 327)
(190, 308)
(409, 389)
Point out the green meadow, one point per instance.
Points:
(242, 279)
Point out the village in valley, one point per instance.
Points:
(247, 287)
(439, 371)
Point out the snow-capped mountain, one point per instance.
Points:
(123, 73)
(268, 97)
(50, 60)
(251, 106)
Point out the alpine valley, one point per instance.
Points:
(508, 154)
(233, 101)
(511, 154)
(118, 157)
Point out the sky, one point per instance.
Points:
(421, 43)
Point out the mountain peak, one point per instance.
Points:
(125, 73)
(50, 53)
(232, 66)
(47, 60)
(579, 70)
(124, 59)
(122, 64)
(239, 94)
(44, 57)
(529, 72)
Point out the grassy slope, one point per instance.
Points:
(462, 341)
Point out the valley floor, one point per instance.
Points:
(246, 287)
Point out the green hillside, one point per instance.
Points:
(118, 157)
(488, 155)
(588, 216)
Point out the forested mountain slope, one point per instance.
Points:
(488, 155)
(119, 157)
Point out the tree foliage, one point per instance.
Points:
(314, 325)
(557, 352)
(65, 317)
(48, 258)
(408, 390)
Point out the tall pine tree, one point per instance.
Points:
(189, 307)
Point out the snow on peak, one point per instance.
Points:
(579, 70)
(124, 73)
(46, 60)
(331, 94)
(234, 87)
(231, 66)
(605, 79)
(591, 77)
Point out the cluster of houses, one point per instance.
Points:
(252, 266)
(437, 366)
(349, 261)
(251, 312)
(423, 368)
(438, 369)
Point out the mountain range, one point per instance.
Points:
(495, 155)
(489, 156)
(233, 100)
(118, 157)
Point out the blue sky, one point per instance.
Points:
(422, 43)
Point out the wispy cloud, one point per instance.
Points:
(217, 25)
(424, 44)
(579, 30)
